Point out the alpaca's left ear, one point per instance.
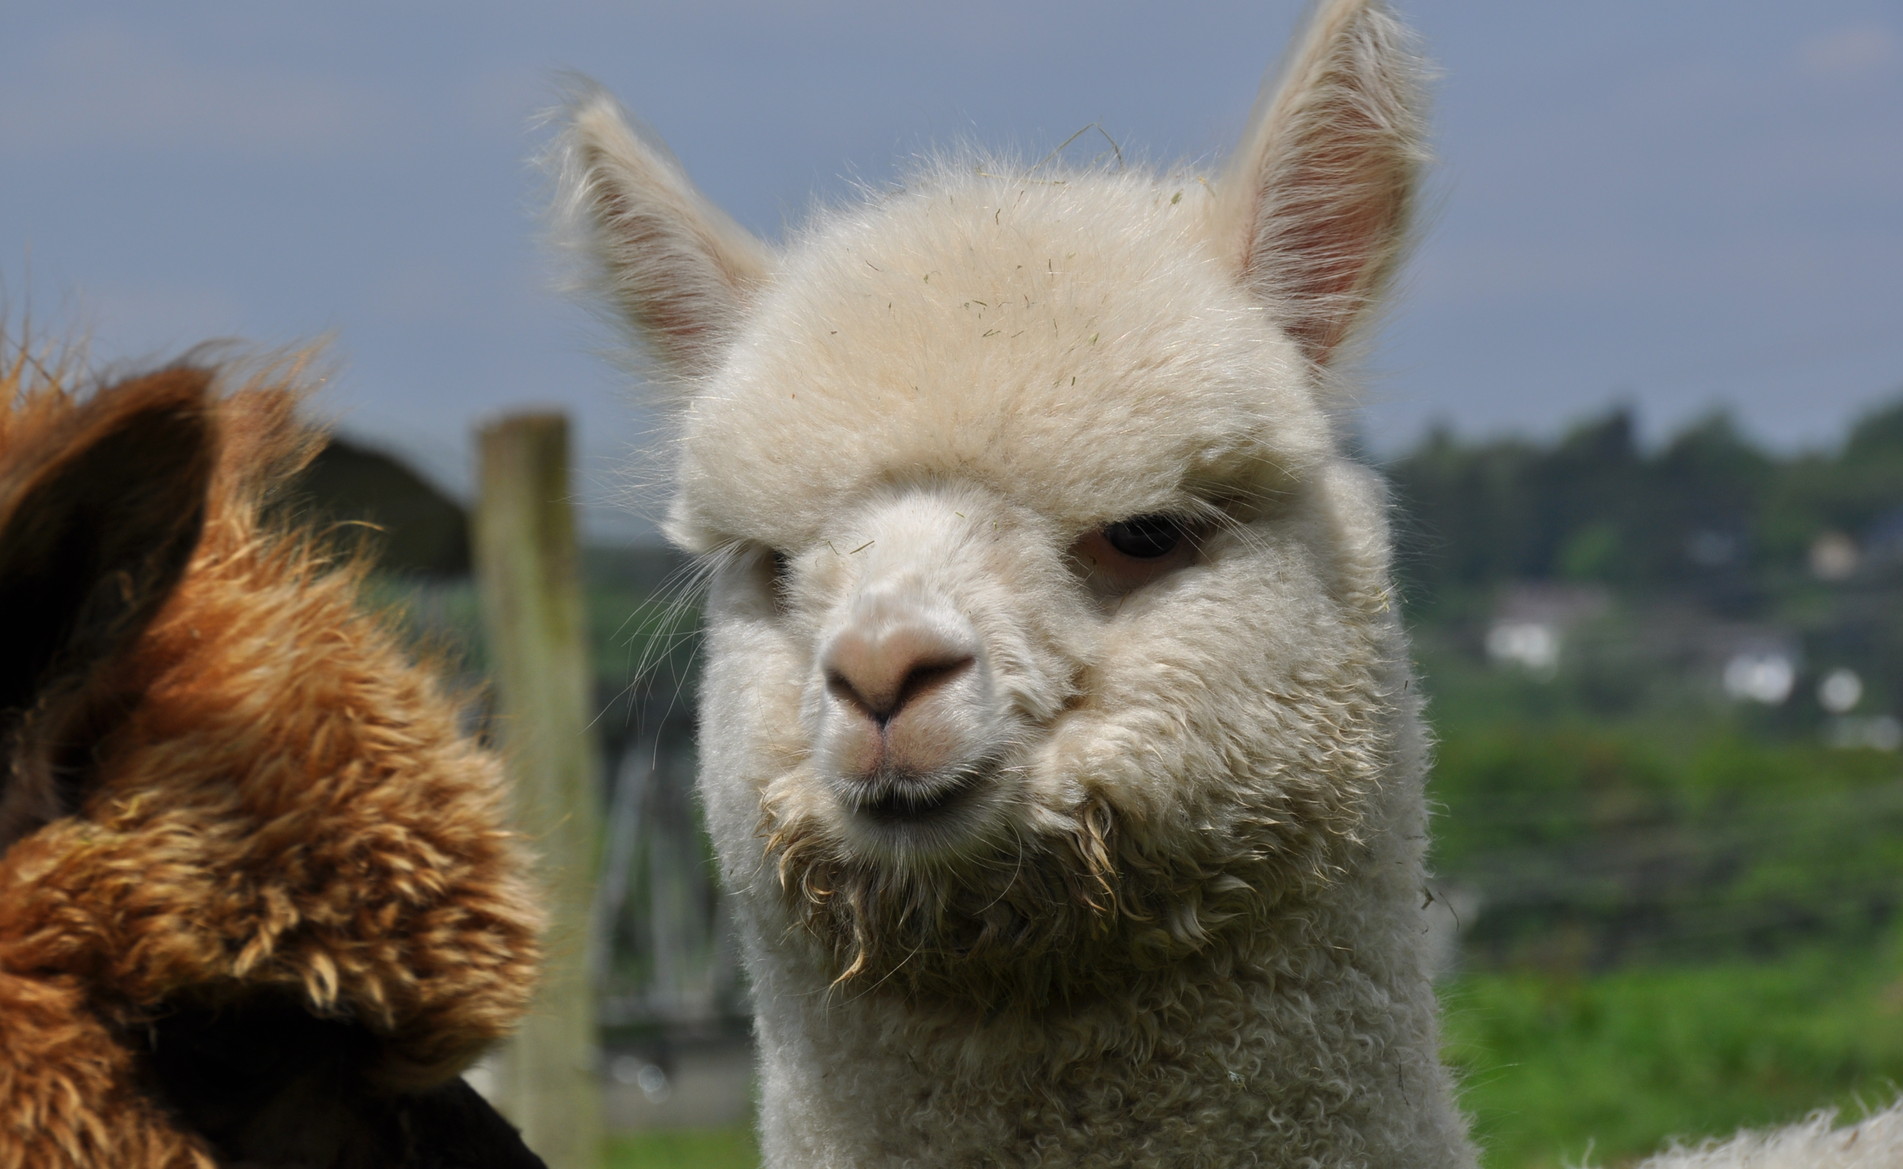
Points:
(1320, 194)
(96, 528)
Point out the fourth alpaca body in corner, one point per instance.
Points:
(1058, 742)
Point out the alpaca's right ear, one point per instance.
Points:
(97, 526)
(673, 267)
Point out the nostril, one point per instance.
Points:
(841, 687)
(882, 698)
(881, 673)
(927, 676)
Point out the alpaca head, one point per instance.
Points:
(256, 892)
(221, 768)
(1048, 633)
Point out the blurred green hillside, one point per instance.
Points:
(1666, 685)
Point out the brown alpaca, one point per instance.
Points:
(257, 902)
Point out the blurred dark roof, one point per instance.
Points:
(418, 529)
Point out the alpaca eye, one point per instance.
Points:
(770, 573)
(779, 567)
(1121, 557)
(1145, 537)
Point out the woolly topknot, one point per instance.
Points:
(232, 796)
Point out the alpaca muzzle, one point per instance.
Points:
(907, 709)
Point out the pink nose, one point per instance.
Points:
(882, 663)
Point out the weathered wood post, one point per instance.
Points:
(529, 577)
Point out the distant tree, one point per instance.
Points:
(1709, 515)
(1706, 490)
(1466, 518)
(1590, 489)
(1850, 491)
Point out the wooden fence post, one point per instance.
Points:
(528, 574)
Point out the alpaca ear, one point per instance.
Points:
(96, 529)
(671, 265)
(1323, 186)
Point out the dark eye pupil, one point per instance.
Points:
(1145, 537)
(779, 568)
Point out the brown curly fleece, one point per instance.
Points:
(256, 885)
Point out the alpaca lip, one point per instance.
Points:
(911, 799)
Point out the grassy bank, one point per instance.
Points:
(1558, 1068)
(684, 1149)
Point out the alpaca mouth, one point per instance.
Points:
(904, 801)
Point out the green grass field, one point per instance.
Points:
(684, 1149)
(1556, 1068)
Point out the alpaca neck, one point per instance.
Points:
(1311, 1042)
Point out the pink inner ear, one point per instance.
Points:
(1334, 235)
(1334, 178)
(671, 264)
(674, 311)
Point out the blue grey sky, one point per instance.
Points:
(1682, 205)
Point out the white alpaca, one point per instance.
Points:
(1058, 746)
